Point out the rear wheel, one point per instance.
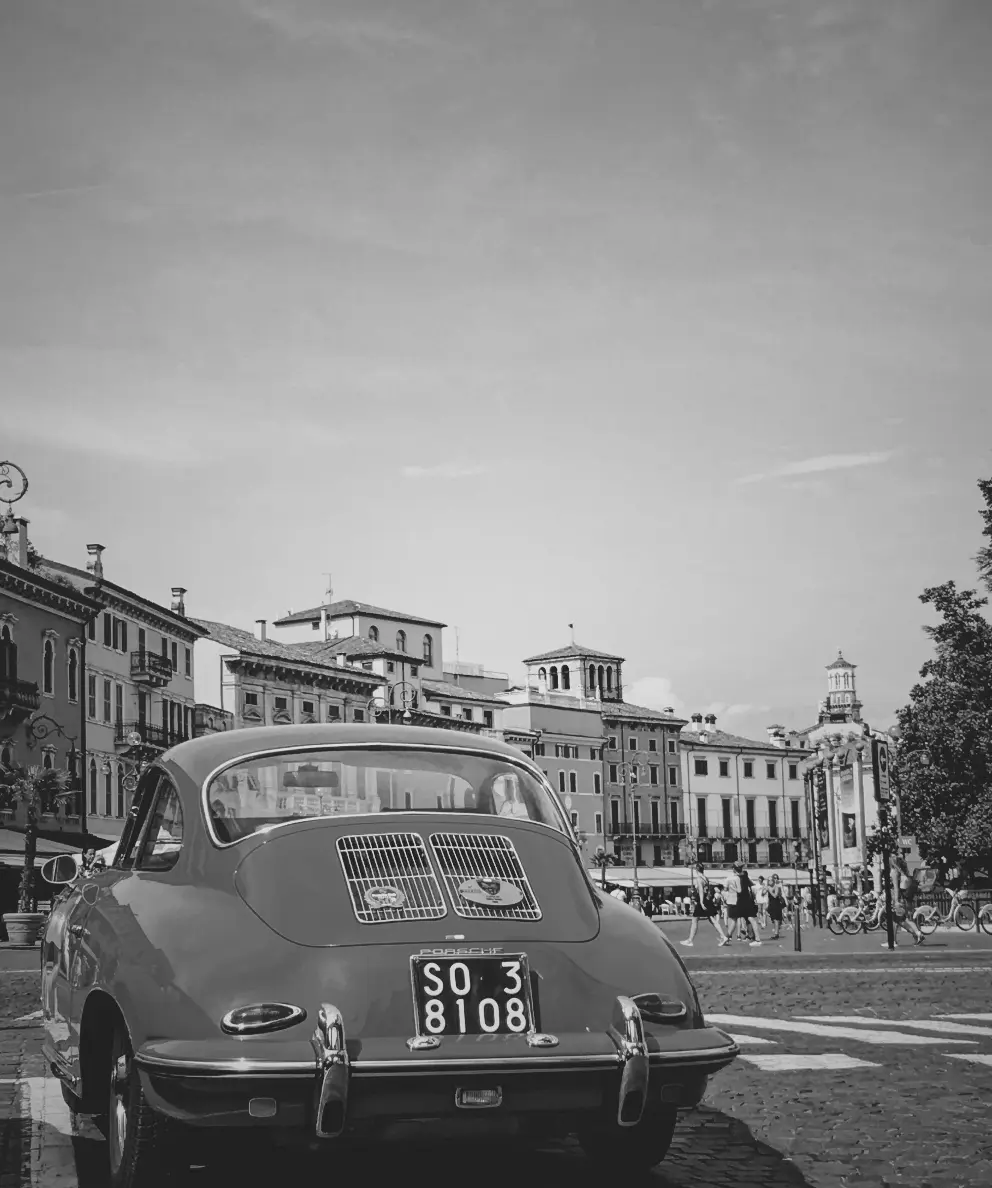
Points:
(634, 1148)
(852, 923)
(985, 919)
(965, 915)
(836, 924)
(143, 1147)
(926, 919)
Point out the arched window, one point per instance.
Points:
(566, 677)
(48, 759)
(93, 787)
(609, 678)
(120, 789)
(592, 678)
(554, 677)
(428, 651)
(5, 633)
(602, 679)
(374, 634)
(48, 667)
(542, 676)
(108, 792)
(401, 641)
(73, 675)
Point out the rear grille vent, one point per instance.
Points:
(389, 877)
(462, 857)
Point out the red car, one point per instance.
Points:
(320, 933)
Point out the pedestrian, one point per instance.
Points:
(806, 904)
(703, 907)
(776, 906)
(747, 910)
(761, 900)
(678, 905)
(906, 889)
(619, 893)
(731, 890)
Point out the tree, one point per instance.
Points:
(945, 754)
(37, 788)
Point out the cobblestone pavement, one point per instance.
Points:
(848, 1079)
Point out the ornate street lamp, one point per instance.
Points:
(12, 476)
(407, 702)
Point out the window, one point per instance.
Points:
(599, 823)
(671, 746)
(106, 701)
(575, 820)
(633, 773)
(93, 787)
(487, 717)
(120, 790)
(367, 665)
(539, 750)
(561, 782)
(749, 769)
(658, 860)
(542, 675)
(401, 641)
(565, 677)
(612, 742)
(573, 782)
(308, 707)
(770, 771)
(187, 722)
(108, 792)
(428, 651)
(108, 629)
(414, 670)
(91, 630)
(123, 638)
(796, 828)
(652, 744)
(701, 815)
(752, 852)
(728, 830)
(280, 703)
(73, 675)
(614, 816)
(701, 767)
(91, 695)
(653, 769)
(613, 773)
(772, 819)
(334, 713)
(251, 699)
(446, 711)
(673, 776)
(597, 784)
(48, 677)
(793, 771)
(189, 661)
(119, 704)
(390, 666)
(749, 817)
(632, 743)
(673, 808)
(558, 750)
(637, 816)
(609, 678)
(175, 656)
(163, 837)
(554, 677)
(141, 639)
(358, 715)
(656, 816)
(467, 715)
(48, 759)
(165, 648)
(373, 634)
(725, 768)
(593, 753)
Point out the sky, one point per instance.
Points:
(665, 318)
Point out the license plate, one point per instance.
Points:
(472, 995)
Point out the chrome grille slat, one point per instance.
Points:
(390, 860)
(462, 856)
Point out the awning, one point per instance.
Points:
(682, 876)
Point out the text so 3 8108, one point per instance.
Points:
(472, 995)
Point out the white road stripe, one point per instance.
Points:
(987, 1017)
(750, 1039)
(922, 1024)
(973, 1056)
(786, 1062)
(25, 1018)
(853, 1033)
(813, 971)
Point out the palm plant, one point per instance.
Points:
(38, 789)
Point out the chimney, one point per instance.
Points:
(323, 624)
(16, 544)
(261, 624)
(697, 723)
(669, 709)
(710, 721)
(178, 601)
(95, 563)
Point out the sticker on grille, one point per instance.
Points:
(484, 877)
(389, 877)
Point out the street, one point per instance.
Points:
(857, 1069)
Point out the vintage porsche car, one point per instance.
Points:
(328, 933)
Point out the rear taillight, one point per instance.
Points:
(261, 1016)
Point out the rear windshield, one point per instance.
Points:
(269, 790)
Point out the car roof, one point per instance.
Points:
(199, 757)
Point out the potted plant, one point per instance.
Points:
(36, 788)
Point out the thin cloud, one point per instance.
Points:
(300, 22)
(820, 465)
(444, 470)
(737, 709)
(655, 692)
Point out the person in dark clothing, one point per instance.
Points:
(747, 908)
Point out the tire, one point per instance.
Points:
(965, 916)
(836, 925)
(852, 924)
(633, 1148)
(143, 1147)
(926, 919)
(985, 919)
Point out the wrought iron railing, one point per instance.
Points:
(150, 666)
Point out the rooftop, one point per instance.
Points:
(710, 737)
(641, 713)
(458, 692)
(348, 606)
(840, 662)
(245, 641)
(575, 651)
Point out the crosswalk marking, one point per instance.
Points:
(865, 1036)
(750, 1039)
(801, 1062)
(922, 1024)
(806, 971)
(975, 1057)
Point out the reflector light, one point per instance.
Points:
(262, 1107)
(261, 1016)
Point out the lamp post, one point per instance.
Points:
(42, 726)
(407, 699)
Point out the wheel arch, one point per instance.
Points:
(101, 1014)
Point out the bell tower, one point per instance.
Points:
(841, 703)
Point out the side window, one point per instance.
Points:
(141, 804)
(162, 837)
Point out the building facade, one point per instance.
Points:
(138, 686)
(742, 798)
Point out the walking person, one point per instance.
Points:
(747, 909)
(731, 890)
(906, 889)
(761, 900)
(703, 908)
(776, 906)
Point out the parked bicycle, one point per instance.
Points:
(960, 912)
(868, 915)
(985, 919)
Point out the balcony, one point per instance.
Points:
(18, 699)
(150, 668)
(156, 737)
(645, 831)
